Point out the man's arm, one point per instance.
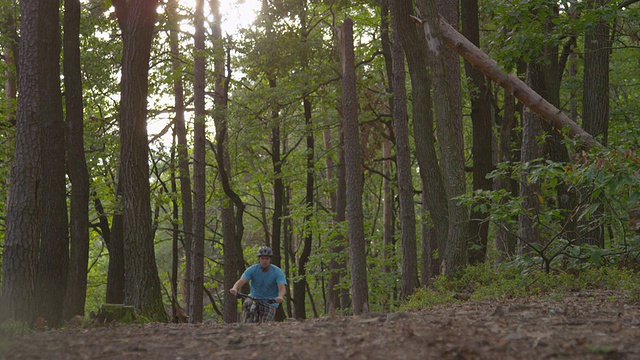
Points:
(238, 285)
(282, 290)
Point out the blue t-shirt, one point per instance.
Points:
(265, 284)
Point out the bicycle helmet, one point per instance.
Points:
(265, 251)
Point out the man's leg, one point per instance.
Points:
(267, 312)
(246, 310)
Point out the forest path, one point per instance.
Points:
(581, 325)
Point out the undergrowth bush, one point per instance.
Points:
(486, 282)
(15, 328)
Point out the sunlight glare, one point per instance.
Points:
(236, 14)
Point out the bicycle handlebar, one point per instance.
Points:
(245, 296)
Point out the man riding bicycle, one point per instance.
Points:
(267, 281)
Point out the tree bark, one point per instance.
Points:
(338, 207)
(505, 241)
(300, 286)
(354, 174)
(388, 232)
(595, 103)
(278, 183)
(183, 147)
(53, 264)
(76, 163)
(403, 161)
(448, 109)
(430, 174)
(142, 285)
(115, 244)
(196, 283)
(532, 150)
(21, 243)
(232, 207)
(482, 148)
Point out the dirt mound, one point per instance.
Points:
(585, 325)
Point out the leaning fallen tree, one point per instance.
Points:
(477, 58)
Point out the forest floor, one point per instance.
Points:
(580, 325)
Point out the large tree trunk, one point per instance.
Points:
(481, 118)
(233, 207)
(196, 285)
(183, 147)
(448, 109)
(595, 99)
(77, 165)
(432, 183)
(22, 236)
(354, 175)
(53, 268)
(403, 161)
(142, 285)
(595, 104)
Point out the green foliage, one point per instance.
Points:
(485, 282)
(11, 328)
(605, 187)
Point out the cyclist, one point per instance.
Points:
(267, 281)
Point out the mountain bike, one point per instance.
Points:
(250, 308)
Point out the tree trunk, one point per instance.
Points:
(481, 118)
(287, 245)
(354, 175)
(53, 264)
(142, 285)
(432, 182)
(505, 242)
(175, 239)
(278, 183)
(196, 285)
(403, 161)
(388, 165)
(21, 243)
(183, 147)
(532, 129)
(338, 206)
(555, 149)
(77, 165)
(448, 109)
(232, 223)
(300, 286)
(115, 244)
(595, 99)
(595, 103)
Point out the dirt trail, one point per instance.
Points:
(583, 325)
